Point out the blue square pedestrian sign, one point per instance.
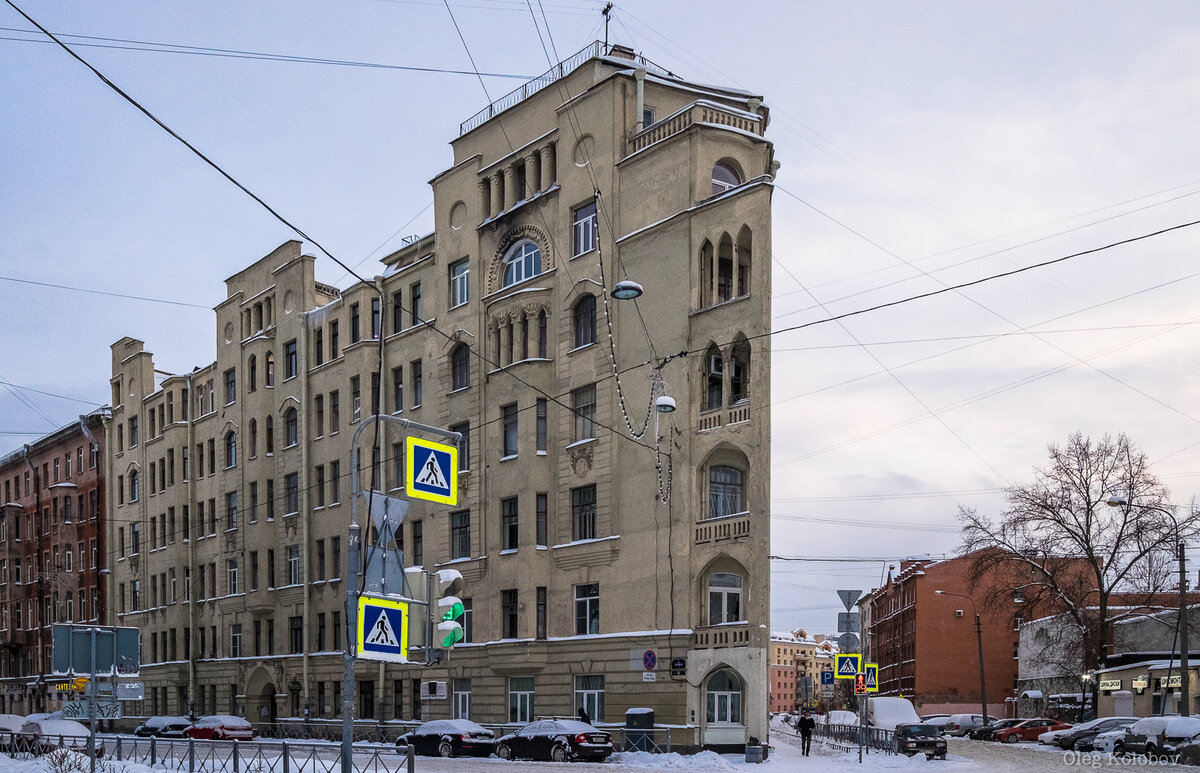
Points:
(847, 666)
(431, 471)
(382, 629)
(872, 673)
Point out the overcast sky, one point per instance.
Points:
(922, 145)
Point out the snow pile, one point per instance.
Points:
(705, 760)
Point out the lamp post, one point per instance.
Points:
(979, 639)
(1184, 678)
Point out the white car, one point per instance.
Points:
(1104, 743)
(1048, 738)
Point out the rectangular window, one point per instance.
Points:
(231, 568)
(583, 512)
(355, 399)
(542, 519)
(335, 477)
(508, 415)
(460, 534)
(354, 335)
(230, 386)
(320, 559)
(415, 308)
(296, 635)
(253, 570)
(335, 559)
(584, 230)
(589, 695)
(270, 499)
(416, 383)
(468, 620)
(320, 636)
(376, 318)
(293, 564)
(509, 530)
(418, 544)
(508, 613)
(460, 707)
(289, 360)
(270, 569)
(319, 416)
(333, 340)
(335, 413)
(133, 436)
(460, 282)
(291, 485)
(398, 389)
(231, 513)
(319, 485)
(464, 445)
(397, 312)
(541, 425)
(583, 402)
(541, 613)
(374, 393)
(397, 465)
(587, 609)
(520, 698)
(318, 346)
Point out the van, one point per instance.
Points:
(887, 713)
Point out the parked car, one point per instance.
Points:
(890, 712)
(926, 717)
(961, 724)
(1110, 741)
(919, 739)
(11, 723)
(163, 727)
(450, 738)
(1156, 735)
(43, 736)
(1069, 738)
(986, 732)
(555, 739)
(938, 722)
(1028, 730)
(221, 727)
(840, 717)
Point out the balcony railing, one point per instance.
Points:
(723, 529)
(699, 112)
(727, 635)
(735, 414)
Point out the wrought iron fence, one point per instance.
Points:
(201, 756)
(848, 737)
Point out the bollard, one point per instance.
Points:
(287, 759)
(119, 748)
(191, 754)
(236, 762)
(410, 760)
(153, 751)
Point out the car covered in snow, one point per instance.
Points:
(1067, 739)
(840, 717)
(1108, 742)
(163, 727)
(1157, 735)
(559, 740)
(11, 723)
(221, 727)
(889, 713)
(450, 738)
(43, 736)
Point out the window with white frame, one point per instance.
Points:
(520, 698)
(587, 609)
(584, 229)
(293, 559)
(583, 403)
(461, 699)
(724, 598)
(460, 283)
(522, 261)
(589, 695)
(726, 491)
(723, 696)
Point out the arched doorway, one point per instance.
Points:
(260, 698)
(724, 701)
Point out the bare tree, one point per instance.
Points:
(1074, 554)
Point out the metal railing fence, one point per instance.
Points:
(848, 737)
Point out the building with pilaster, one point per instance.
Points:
(591, 528)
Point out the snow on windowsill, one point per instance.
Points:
(585, 542)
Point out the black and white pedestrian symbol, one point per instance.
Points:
(382, 634)
(431, 475)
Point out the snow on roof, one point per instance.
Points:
(1032, 694)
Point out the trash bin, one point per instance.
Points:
(754, 753)
(639, 730)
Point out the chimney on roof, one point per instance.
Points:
(621, 52)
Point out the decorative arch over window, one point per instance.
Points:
(725, 176)
(723, 477)
(714, 378)
(135, 488)
(460, 367)
(522, 261)
(291, 427)
(584, 316)
(723, 698)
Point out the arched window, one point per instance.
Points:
(230, 449)
(542, 346)
(252, 374)
(745, 250)
(725, 491)
(724, 177)
(270, 435)
(269, 376)
(135, 488)
(290, 427)
(739, 372)
(725, 287)
(724, 698)
(714, 378)
(585, 321)
(724, 598)
(253, 438)
(522, 261)
(460, 367)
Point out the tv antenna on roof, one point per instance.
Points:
(605, 13)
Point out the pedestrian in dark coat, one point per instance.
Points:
(805, 725)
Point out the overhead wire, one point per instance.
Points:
(92, 291)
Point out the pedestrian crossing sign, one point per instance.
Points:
(847, 666)
(382, 629)
(872, 674)
(431, 471)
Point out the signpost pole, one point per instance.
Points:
(92, 706)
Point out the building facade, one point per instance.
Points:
(796, 662)
(52, 555)
(590, 528)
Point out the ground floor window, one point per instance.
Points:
(461, 706)
(520, 699)
(724, 698)
(589, 695)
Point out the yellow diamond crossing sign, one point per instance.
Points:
(431, 471)
(846, 666)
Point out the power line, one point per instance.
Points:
(92, 291)
(49, 394)
(984, 336)
(233, 53)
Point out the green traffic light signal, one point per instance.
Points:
(453, 636)
(455, 611)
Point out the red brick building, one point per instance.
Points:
(926, 645)
(51, 554)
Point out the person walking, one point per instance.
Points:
(806, 726)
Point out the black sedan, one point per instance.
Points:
(919, 739)
(558, 740)
(450, 738)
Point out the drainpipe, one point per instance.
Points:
(306, 509)
(40, 691)
(190, 499)
(383, 485)
(639, 75)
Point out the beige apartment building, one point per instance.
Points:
(590, 528)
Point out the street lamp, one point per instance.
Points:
(1184, 678)
(627, 290)
(979, 639)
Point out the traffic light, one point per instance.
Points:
(449, 630)
(860, 684)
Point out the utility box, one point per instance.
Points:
(639, 730)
